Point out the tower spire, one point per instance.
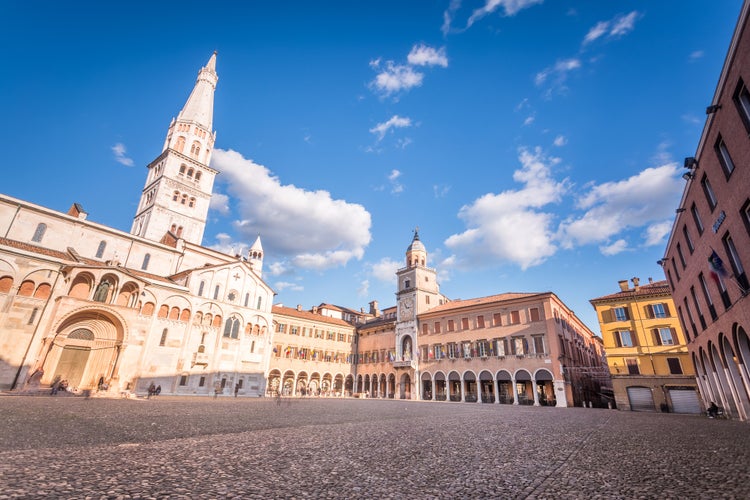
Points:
(199, 107)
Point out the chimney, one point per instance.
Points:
(77, 211)
(315, 310)
(374, 308)
(636, 283)
(299, 307)
(623, 285)
(650, 280)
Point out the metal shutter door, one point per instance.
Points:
(641, 399)
(684, 401)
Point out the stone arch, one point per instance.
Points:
(84, 347)
(6, 283)
(26, 289)
(545, 387)
(505, 391)
(349, 385)
(440, 388)
(326, 384)
(338, 384)
(426, 386)
(486, 387)
(287, 387)
(405, 386)
(731, 360)
(43, 291)
(392, 385)
(81, 285)
(274, 382)
(454, 386)
(524, 387)
(469, 380)
(128, 295)
(314, 384)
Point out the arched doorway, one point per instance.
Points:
(454, 386)
(383, 386)
(391, 386)
(405, 387)
(505, 388)
(348, 385)
(338, 385)
(301, 384)
(524, 390)
(274, 382)
(314, 385)
(440, 393)
(486, 386)
(427, 387)
(367, 385)
(470, 387)
(288, 387)
(85, 349)
(545, 388)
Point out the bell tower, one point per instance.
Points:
(179, 183)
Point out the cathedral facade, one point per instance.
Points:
(118, 312)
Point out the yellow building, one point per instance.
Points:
(646, 349)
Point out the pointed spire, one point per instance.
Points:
(199, 107)
(257, 246)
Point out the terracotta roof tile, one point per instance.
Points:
(307, 315)
(650, 289)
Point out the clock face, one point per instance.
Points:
(408, 303)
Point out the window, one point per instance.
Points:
(216, 292)
(452, 350)
(201, 381)
(464, 323)
(480, 321)
(407, 284)
(232, 328)
(466, 349)
(425, 329)
(191, 203)
(676, 272)
(688, 240)
(182, 169)
(260, 302)
(515, 317)
(501, 347)
(438, 351)
(190, 173)
(200, 288)
(698, 307)
(437, 327)
(175, 196)
(483, 348)
(39, 233)
(621, 314)
(707, 296)
(32, 317)
(664, 336)
(519, 346)
(497, 319)
(736, 263)
(745, 214)
(741, 99)
(681, 256)
(709, 192)
(183, 380)
(451, 327)
(426, 299)
(657, 311)
(674, 366)
(632, 364)
(100, 249)
(294, 330)
(146, 259)
(624, 338)
(539, 344)
(697, 218)
(534, 314)
(197, 176)
(724, 158)
(184, 198)
(163, 339)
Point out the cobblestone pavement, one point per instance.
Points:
(166, 447)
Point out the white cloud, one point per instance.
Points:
(599, 30)
(657, 233)
(395, 78)
(560, 141)
(440, 191)
(277, 268)
(613, 207)
(615, 248)
(219, 203)
(394, 122)
(529, 120)
(364, 288)
(511, 8)
(622, 25)
(318, 238)
(511, 225)
(448, 16)
(396, 186)
(617, 27)
(422, 55)
(559, 70)
(120, 157)
(385, 269)
(695, 55)
(285, 285)
(403, 143)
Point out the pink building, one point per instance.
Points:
(710, 240)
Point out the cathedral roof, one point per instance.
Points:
(416, 244)
(310, 316)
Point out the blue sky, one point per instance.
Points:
(537, 144)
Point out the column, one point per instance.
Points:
(514, 389)
(534, 389)
(496, 388)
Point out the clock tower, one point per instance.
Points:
(417, 292)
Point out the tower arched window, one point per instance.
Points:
(41, 228)
(184, 199)
(102, 291)
(182, 169)
(197, 176)
(200, 288)
(146, 259)
(195, 149)
(247, 299)
(190, 173)
(173, 228)
(100, 249)
(216, 292)
(175, 195)
(191, 203)
(180, 145)
(179, 232)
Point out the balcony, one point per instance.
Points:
(200, 358)
(404, 364)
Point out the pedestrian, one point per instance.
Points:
(158, 390)
(236, 389)
(713, 410)
(55, 385)
(151, 390)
